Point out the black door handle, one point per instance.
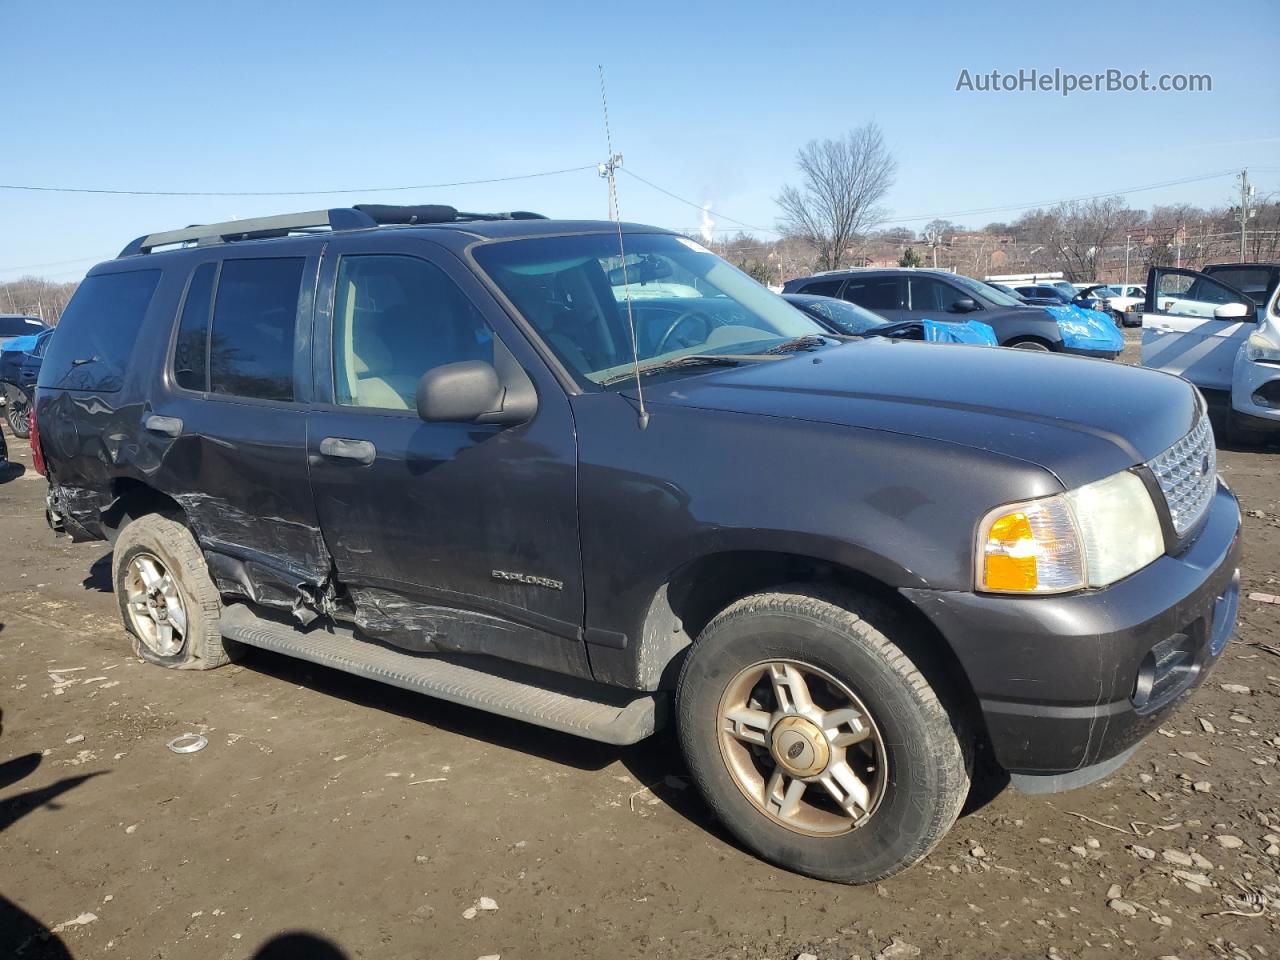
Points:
(361, 451)
(168, 426)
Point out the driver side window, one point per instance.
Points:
(1192, 295)
(395, 318)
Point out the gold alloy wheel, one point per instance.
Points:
(155, 606)
(802, 747)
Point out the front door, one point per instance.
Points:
(1194, 326)
(445, 536)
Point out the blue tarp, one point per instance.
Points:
(21, 344)
(960, 331)
(1084, 329)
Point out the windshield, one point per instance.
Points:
(986, 292)
(684, 300)
(842, 316)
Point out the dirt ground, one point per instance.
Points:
(371, 820)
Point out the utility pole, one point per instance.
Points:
(1126, 259)
(1245, 192)
(608, 171)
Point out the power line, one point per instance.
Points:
(54, 263)
(292, 193)
(1050, 203)
(960, 213)
(697, 206)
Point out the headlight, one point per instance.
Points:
(1091, 536)
(1260, 349)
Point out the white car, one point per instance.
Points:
(1129, 297)
(1220, 328)
(1126, 309)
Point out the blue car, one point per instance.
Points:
(20, 360)
(840, 316)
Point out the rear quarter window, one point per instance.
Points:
(94, 340)
(822, 288)
(19, 326)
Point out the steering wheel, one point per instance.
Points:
(685, 317)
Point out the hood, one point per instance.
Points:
(1080, 419)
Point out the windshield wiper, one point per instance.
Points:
(690, 360)
(810, 341)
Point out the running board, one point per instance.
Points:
(580, 707)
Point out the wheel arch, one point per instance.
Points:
(132, 498)
(698, 590)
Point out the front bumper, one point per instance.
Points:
(1069, 684)
(1098, 353)
(1255, 394)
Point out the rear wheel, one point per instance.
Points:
(167, 599)
(17, 410)
(816, 740)
(1029, 343)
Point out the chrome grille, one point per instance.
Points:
(1187, 473)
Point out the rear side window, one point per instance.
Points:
(191, 352)
(875, 293)
(91, 347)
(254, 316)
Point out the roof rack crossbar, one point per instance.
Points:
(361, 216)
(339, 218)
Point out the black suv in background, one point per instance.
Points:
(914, 294)
(566, 471)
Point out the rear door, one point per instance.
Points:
(1194, 325)
(882, 294)
(454, 536)
(226, 431)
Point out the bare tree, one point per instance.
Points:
(843, 183)
(36, 297)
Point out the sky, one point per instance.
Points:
(710, 101)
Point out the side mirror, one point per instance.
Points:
(1232, 311)
(964, 305)
(477, 392)
(462, 392)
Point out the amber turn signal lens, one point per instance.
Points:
(1014, 567)
(1030, 547)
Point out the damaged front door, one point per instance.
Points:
(454, 536)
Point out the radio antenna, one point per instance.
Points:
(608, 170)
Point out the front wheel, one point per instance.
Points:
(18, 411)
(816, 740)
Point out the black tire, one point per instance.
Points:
(1030, 343)
(1237, 432)
(929, 753)
(17, 411)
(171, 543)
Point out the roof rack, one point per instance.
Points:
(361, 216)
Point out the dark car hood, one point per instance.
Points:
(1081, 419)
